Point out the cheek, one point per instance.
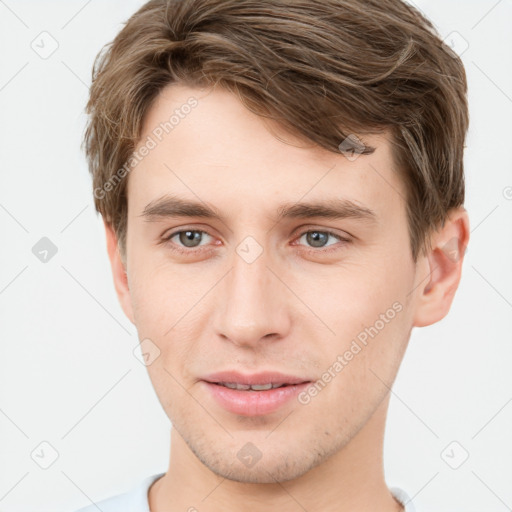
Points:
(158, 295)
(366, 311)
(167, 311)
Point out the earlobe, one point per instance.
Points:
(119, 273)
(444, 263)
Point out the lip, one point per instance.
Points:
(255, 378)
(254, 403)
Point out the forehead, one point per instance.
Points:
(206, 144)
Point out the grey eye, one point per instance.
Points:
(189, 238)
(317, 238)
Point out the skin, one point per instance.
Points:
(294, 309)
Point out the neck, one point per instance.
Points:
(351, 479)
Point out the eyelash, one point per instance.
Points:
(188, 251)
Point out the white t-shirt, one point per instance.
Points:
(136, 499)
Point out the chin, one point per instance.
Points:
(274, 466)
(262, 473)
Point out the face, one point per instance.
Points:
(266, 285)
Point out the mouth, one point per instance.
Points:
(254, 395)
(253, 387)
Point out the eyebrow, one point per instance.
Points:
(169, 206)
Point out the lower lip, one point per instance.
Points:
(254, 403)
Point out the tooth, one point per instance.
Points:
(245, 387)
(234, 385)
(261, 387)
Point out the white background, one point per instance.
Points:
(68, 375)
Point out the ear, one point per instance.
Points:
(443, 264)
(118, 272)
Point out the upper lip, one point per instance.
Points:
(254, 378)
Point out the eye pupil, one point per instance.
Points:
(190, 236)
(317, 238)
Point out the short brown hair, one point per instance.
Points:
(322, 68)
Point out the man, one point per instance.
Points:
(282, 189)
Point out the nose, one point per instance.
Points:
(251, 304)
